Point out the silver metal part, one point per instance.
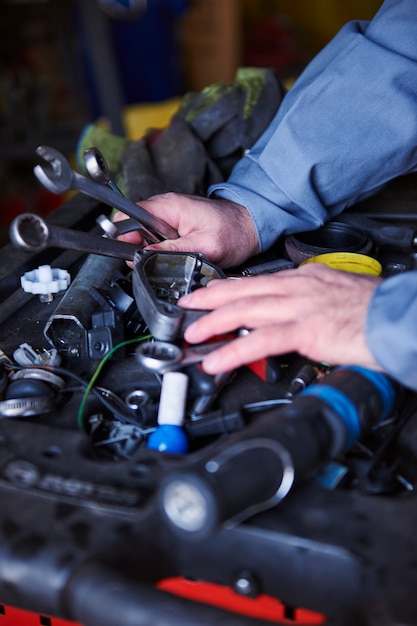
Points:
(26, 407)
(108, 227)
(96, 166)
(26, 355)
(161, 356)
(115, 229)
(30, 232)
(185, 505)
(136, 399)
(159, 279)
(44, 375)
(58, 176)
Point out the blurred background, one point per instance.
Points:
(67, 63)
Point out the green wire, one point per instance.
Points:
(97, 373)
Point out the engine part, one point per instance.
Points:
(332, 237)
(106, 332)
(169, 435)
(159, 279)
(26, 355)
(402, 238)
(45, 281)
(352, 262)
(307, 374)
(30, 392)
(276, 450)
(68, 503)
(112, 438)
(67, 327)
(34, 374)
(268, 267)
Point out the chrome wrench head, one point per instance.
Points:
(29, 232)
(57, 174)
(96, 166)
(160, 357)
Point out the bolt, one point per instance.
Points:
(46, 298)
(246, 585)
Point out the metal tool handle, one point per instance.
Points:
(30, 232)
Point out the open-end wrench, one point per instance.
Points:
(30, 232)
(58, 176)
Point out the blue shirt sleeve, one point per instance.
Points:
(391, 327)
(346, 127)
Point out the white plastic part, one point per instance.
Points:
(26, 355)
(173, 398)
(45, 280)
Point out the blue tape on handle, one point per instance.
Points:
(383, 384)
(343, 406)
(346, 409)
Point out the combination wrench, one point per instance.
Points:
(30, 232)
(58, 176)
(160, 357)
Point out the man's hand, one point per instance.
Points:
(313, 310)
(220, 229)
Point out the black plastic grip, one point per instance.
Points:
(248, 471)
(386, 235)
(252, 470)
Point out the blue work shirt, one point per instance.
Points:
(346, 127)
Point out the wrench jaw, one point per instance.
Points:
(56, 175)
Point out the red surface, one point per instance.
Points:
(263, 607)
(11, 616)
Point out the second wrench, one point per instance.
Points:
(30, 232)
